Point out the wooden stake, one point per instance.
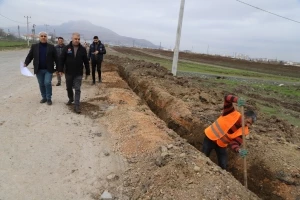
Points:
(244, 147)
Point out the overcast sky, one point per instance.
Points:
(226, 26)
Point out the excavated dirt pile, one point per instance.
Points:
(161, 164)
(176, 170)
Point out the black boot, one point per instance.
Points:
(70, 102)
(99, 75)
(49, 102)
(77, 109)
(43, 101)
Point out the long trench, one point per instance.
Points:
(189, 129)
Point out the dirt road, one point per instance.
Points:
(49, 152)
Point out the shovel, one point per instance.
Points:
(244, 147)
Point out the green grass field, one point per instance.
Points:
(264, 85)
(9, 45)
(212, 69)
(290, 91)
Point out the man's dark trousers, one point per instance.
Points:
(74, 81)
(96, 63)
(209, 145)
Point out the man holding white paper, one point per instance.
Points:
(43, 55)
(24, 70)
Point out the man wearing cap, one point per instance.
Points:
(227, 130)
(44, 56)
(96, 52)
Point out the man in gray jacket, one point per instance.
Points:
(72, 60)
(59, 48)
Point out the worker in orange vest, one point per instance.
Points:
(227, 130)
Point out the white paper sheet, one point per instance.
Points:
(24, 70)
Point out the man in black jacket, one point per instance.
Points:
(73, 57)
(44, 55)
(97, 49)
(59, 48)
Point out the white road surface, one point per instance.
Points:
(48, 152)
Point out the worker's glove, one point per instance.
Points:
(243, 152)
(241, 102)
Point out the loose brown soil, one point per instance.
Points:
(163, 163)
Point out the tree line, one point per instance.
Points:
(7, 36)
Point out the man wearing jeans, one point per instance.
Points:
(44, 55)
(73, 57)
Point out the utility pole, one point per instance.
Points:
(33, 32)
(46, 28)
(19, 31)
(27, 29)
(7, 33)
(177, 44)
(207, 49)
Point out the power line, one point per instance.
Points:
(268, 12)
(11, 19)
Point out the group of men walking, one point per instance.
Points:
(69, 60)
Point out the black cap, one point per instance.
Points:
(95, 37)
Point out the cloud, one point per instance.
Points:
(226, 26)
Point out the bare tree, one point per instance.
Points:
(2, 33)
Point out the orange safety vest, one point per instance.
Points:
(218, 131)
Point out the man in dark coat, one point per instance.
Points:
(59, 48)
(44, 56)
(73, 57)
(96, 52)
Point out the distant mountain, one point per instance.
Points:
(88, 31)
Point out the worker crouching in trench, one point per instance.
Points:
(227, 130)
